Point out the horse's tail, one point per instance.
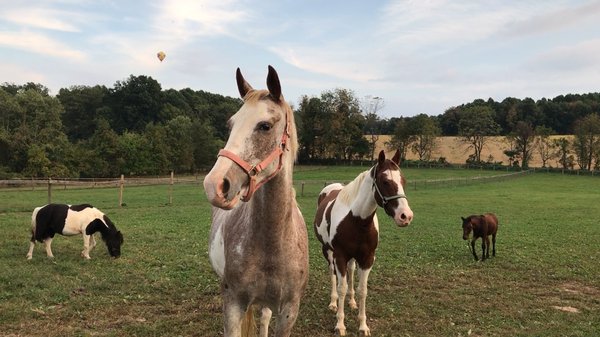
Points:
(248, 323)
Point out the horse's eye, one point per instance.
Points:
(264, 126)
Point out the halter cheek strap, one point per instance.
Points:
(384, 199)
(253, 171)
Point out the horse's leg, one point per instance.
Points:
(86, 246)
(92, 242)
(351, 300)
(487, 246)
(233, 318)
(363, 277)
(265, 318)
(494, 244)
(48, 245)
(333, 277)
(31, 246)
(342, 289)
(473, 248)
(286, 318)
(483, 248)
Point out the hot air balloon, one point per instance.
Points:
(161, 55)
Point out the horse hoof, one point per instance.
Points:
(333, 307)
(365, 332)
(352, 305)
(340, 331)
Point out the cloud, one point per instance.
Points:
(44, 18)
(182, 19)
(40, 44)
(554, 18)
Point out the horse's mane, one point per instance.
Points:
(349, 192)
(253, 96)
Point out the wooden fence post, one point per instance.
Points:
(171, 190)
(121, 186)
(49, 190)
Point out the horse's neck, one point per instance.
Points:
(363, 204)
(272, 206)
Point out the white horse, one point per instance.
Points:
(346, 225)
(258, 247)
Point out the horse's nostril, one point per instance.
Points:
(403, 216)
(225, 187)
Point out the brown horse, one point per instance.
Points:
(482, 226)
(258, 247)
(346, 224)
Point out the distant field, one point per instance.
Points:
(457, 152)
(424, 282)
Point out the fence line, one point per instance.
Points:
(304, 186)
(121, 183)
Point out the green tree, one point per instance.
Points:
(475, 126)
(522, 137)
(179, 137)
(425, 131)
(587, 140)
(402, 138)
(311, 123)
(134, 103)
(103, 156)
(82, 105)
(542, 144)
(563, 152)
(135, 157)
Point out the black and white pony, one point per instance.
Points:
(69, 220)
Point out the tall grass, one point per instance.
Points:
(424, 282)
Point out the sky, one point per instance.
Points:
(400, 58)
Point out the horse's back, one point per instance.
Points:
(327, 190)
(492, 221)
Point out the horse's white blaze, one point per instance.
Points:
(217, 253)
(403, 207)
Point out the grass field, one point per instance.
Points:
(544, 281)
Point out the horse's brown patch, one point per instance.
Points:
(355, 238)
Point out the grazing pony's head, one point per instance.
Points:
(262, 141)
(388, 186)
(110, 235)
(470, 223)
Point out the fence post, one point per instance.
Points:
(121, 186)
(171, 190)
(49, 190)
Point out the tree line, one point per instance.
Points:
(137, 128)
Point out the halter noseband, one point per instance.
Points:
(384, 199)
(253, 171)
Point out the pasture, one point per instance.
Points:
(544, 281)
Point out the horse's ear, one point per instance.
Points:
(381, 158)
(243, 86)
(396, 158)
(273, 84)
(463, 219)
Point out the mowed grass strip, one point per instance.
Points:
(544, 281)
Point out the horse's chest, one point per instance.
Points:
(355, 236)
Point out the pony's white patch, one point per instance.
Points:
(217, 253)
(76, 222)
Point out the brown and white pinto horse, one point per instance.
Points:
(482, 226)
(258, 247)
(347, 226)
